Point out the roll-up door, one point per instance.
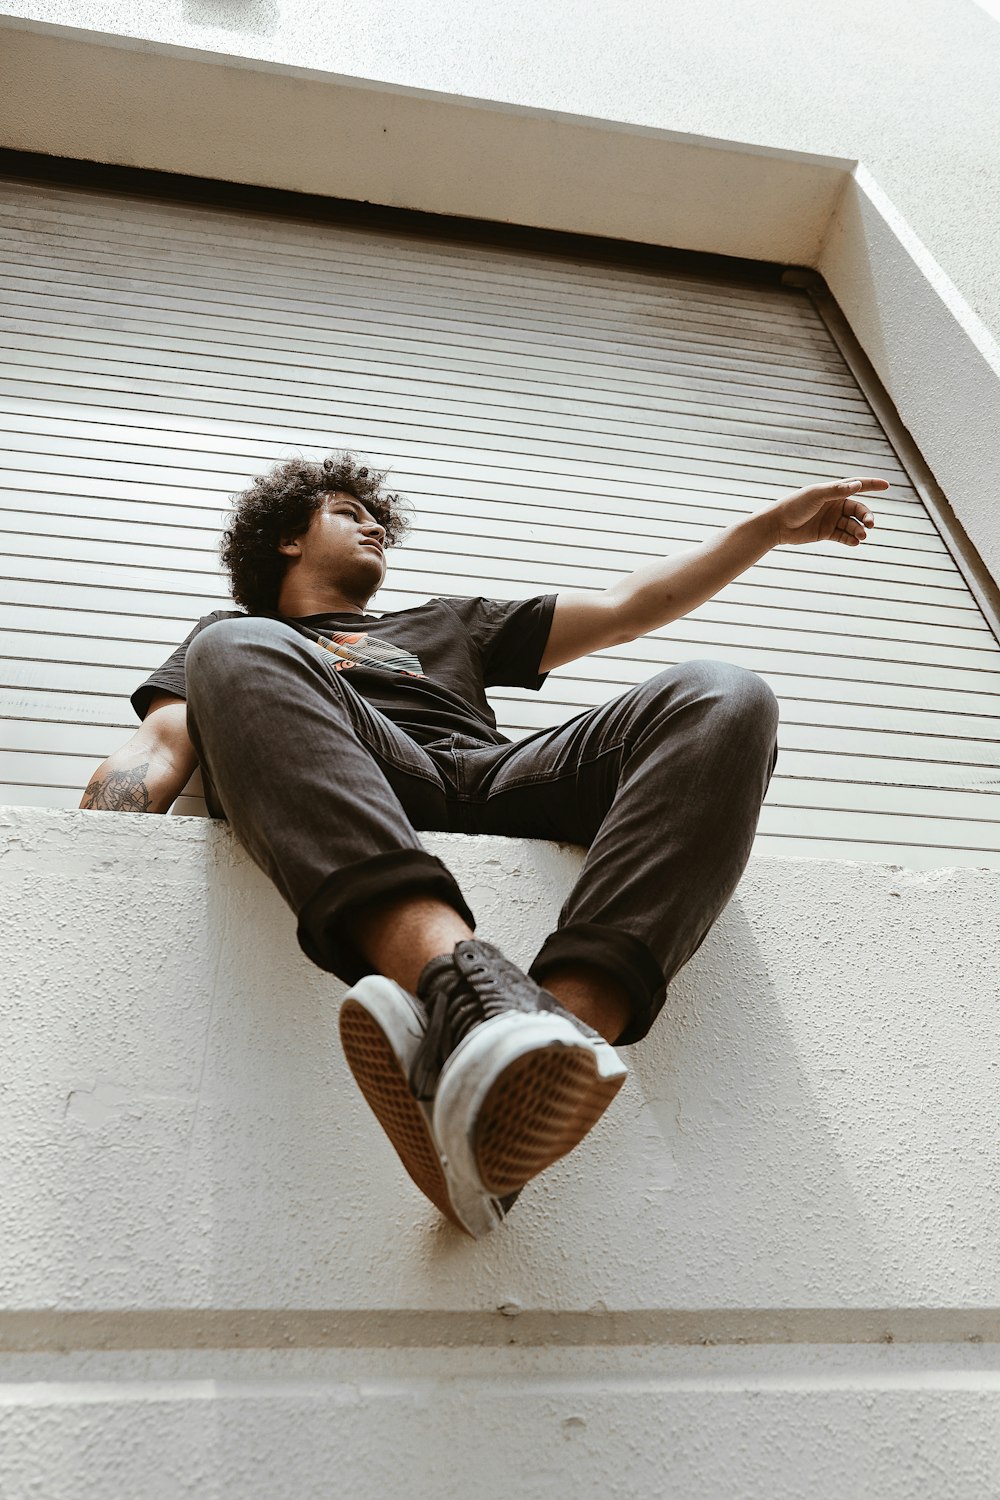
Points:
(555, 421)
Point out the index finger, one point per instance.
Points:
(858, 486)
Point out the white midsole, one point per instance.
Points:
(477, 1063)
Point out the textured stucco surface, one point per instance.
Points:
(906, 86)
(804, 1161)
(675, 1424)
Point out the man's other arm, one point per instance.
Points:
(152, 768)
(663, 591)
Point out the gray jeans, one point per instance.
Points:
(663, 784)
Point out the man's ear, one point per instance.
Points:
(289, 546)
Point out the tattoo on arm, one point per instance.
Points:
(119, 791)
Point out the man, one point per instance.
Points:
(328, 735)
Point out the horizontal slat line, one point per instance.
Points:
(72, 611)
(671, 315)
(784, 468)
(493, 263)
(490, 373)
(805, 353)
(727, 610)
(445, 496)
(810, 351)
(329, 247)
(902, 552)
(789, 318)
(789, 722)
(736, 437)
(443, 515)
(689, 418)
(77, 760)
(571, 446)
(634, 396)
(551, 541)
(793, 315)
(942, 773)
(148, 588)
(235, 229)
(574, 705)
(883, 575)
(505, 700)
(986, 775)
(887, 554)
(492, 569)
(884, 843)
(973, 638)
(930, 818)
(413, 582)
(407, 588)
(980, 787)
(565, 695)
(215, 313)
(982, 821)
(555, 542)
(506, 705)
(625, 363)
(169, 455)
(119, 725)
(711, 634)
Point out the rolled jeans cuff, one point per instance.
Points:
(324, 925)
(624, 957)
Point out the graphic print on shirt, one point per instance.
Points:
(368, 651)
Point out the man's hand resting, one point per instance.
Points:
(826, 513)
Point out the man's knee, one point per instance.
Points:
(722, 689)
(221, 650)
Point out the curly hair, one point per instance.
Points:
(279, 505)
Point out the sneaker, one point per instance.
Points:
(516, 1080)
(382, 1029)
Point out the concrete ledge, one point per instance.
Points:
(215, 1279)
(811, 1125)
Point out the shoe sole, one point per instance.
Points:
(380, 1031)
(516, 1096)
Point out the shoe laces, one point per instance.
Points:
(459, 992)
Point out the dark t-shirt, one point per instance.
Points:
(424, 668)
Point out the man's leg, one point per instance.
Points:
(325, 794)
(664, 785)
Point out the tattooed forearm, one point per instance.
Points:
(119, 791)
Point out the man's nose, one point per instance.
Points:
(372, 528)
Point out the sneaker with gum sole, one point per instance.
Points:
(516, 1080)
(382, 1029)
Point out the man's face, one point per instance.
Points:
(343, 546)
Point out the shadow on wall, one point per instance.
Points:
(757, 1175)
(256, 17)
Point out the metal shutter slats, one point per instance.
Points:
(555, 423)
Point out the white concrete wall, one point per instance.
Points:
(909, 87)
(772, 1270)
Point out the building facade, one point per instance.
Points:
(773, 1270)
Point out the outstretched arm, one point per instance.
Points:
(663, 591)
(152, 768)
